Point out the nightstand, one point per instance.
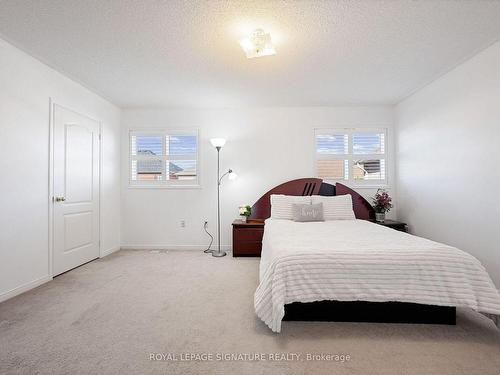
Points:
(247, 238)
(398, 225)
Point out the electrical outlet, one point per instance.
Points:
(183, 223)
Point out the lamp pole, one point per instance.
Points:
(218, 253)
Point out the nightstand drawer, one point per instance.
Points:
(248, 234)
(247, 248)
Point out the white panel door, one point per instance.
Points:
(76, 190)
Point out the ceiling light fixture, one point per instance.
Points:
(258, 44)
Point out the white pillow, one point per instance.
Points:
(281, 205)
(338, 207)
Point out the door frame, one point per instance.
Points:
(52, 106)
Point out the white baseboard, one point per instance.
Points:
(24, 288)
(109, 251)
(173, 247)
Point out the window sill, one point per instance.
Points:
(354, 185)
(164, 187)
(382, 186)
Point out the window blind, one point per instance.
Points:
(164, 158)
(354, 155)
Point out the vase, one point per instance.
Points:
(380, 217)
(244, 219)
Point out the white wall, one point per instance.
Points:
(25, 88)
(448, 158)
(265, 147)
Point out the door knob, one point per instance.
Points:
(60, 199)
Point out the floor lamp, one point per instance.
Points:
(218, 143)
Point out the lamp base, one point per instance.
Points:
(219, 254)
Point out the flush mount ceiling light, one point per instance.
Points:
(258, 44)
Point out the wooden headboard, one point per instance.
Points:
(312, 186)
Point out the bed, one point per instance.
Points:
(321, 265)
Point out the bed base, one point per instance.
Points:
(370, 312)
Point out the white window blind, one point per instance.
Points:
(164, 158)
(355, 155)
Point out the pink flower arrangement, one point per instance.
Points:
(382, 201)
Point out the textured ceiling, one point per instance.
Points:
(186, 53)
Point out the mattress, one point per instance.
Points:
(356, 260)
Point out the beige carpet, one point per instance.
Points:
(107, 316)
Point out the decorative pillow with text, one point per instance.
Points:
(308, 212)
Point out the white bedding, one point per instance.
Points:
(350, 260)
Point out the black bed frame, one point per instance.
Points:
(370, 312)
(352, 311)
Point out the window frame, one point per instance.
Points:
(350, 156)
(164, 183)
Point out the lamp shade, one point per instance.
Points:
(218, 142)
(232, 176)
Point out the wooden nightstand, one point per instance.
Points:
(247, 238)
(398, 225)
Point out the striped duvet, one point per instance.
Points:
(350, 260)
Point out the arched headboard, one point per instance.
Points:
(312, 186)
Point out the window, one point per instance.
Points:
(358, 156)
(164, 158)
